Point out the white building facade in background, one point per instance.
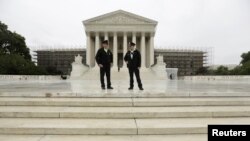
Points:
(119, 28)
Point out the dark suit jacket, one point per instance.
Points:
(135, 62)
(104, 58)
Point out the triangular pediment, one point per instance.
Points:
(119, 17)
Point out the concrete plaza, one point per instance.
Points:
(153, 88)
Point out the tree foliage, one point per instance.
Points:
(242, 69)
(16, 64)
(15, 56)
(12, 43)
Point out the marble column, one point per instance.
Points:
(97, 44)
(151, 45)
(115, 50)
(106, 36)
(134, 37)
(125, 47)
(88, 55)
(143, 50)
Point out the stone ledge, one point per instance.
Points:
(170, 126)
(123, 112)
(198, 137)
(124, 102)
(128, 94)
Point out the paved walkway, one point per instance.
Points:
(156, 87)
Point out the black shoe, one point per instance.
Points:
(141, 88)
(110, 87)
(130, 88)
(103, 88)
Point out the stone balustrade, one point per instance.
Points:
(219, 77)
(30, 77)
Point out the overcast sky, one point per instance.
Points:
(221, 24)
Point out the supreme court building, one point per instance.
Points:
(120, 27)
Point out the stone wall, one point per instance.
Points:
(30, 77)
(220, 77)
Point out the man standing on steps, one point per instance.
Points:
(104, 59)
(133, 60)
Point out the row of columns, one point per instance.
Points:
(115, 47)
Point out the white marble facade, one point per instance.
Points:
(120, 27)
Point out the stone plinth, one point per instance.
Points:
(78, 69)
(160, 68)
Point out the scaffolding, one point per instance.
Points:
(187, 59)
(57, 57)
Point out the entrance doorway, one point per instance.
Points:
(120, 60)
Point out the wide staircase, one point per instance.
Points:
(117, 119)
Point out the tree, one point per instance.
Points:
(235, 71)
(222, 70)
(242, 69)
(245, 68)
(15, 56)
(245, 58)
(16, 64)
(245, 63)
(12, 43)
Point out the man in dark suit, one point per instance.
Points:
(133, 60)
(104, 59)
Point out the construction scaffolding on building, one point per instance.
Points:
(188, 60)
(58, 58)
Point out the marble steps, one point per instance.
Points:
(116, 93)
(67, 102)
(169, 126)
(124, 112)
(194, 137)
(125, 102)
(129, 118)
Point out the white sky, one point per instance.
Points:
(222, 24)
